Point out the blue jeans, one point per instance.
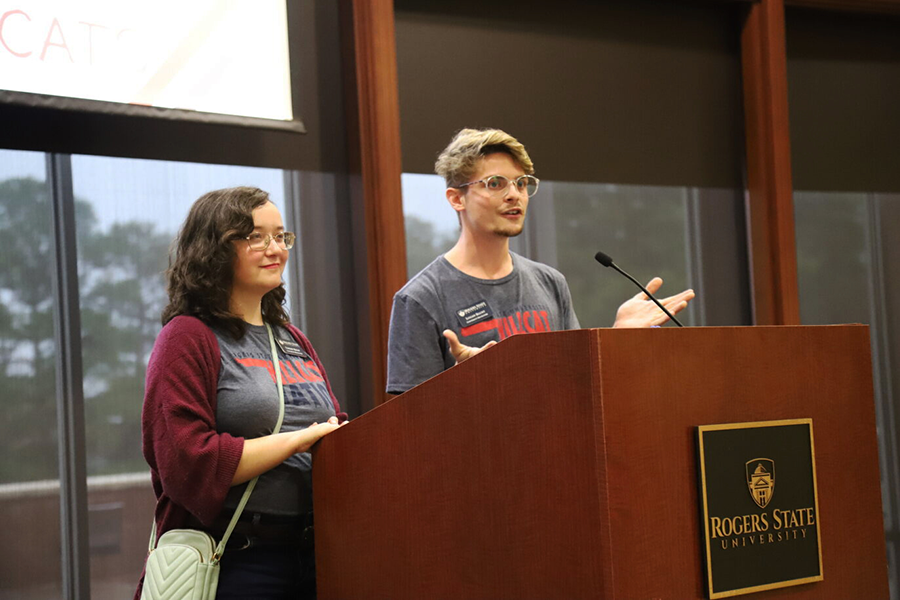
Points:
(267, 572)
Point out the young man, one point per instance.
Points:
(479, 292)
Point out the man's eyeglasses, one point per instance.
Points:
(497, 185)
(258, 241)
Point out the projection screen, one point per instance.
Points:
(209, 60)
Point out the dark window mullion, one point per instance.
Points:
(69, 390)
(879, 331)
(696, 310)
(292, 216)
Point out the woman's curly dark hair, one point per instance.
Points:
(201, 273)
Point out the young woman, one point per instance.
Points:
(211, 401)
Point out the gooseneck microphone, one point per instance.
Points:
(607, 261)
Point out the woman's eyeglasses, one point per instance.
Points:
(259, 241)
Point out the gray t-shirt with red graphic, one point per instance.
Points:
(248, 406)
(533, 298)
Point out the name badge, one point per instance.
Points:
(478, 312)
(291, 348)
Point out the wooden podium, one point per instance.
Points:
(563, 465)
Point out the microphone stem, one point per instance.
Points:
(648, 294)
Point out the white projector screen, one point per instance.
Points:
(224, 57)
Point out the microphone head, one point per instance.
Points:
(603, 259)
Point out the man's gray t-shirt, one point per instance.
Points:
(248, 406)
(533, 298)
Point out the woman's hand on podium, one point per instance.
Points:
(266, 452)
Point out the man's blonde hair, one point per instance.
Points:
(458, 163)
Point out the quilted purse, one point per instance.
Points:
(184, 565)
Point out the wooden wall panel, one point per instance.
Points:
(770, 212)
(374, 137)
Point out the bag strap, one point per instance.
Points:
(220, 549)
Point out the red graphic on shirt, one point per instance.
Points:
(292, 371)
(532, 321)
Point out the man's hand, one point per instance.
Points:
(640, 311)
(459, 350)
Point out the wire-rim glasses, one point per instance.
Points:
(497, 185)
(260, 241)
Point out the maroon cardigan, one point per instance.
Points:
(191, 464)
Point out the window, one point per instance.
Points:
(29, 452)
(127, 213)
(431, 225)
(844, 153)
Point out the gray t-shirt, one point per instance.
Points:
(534, 297)
(248, 406)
